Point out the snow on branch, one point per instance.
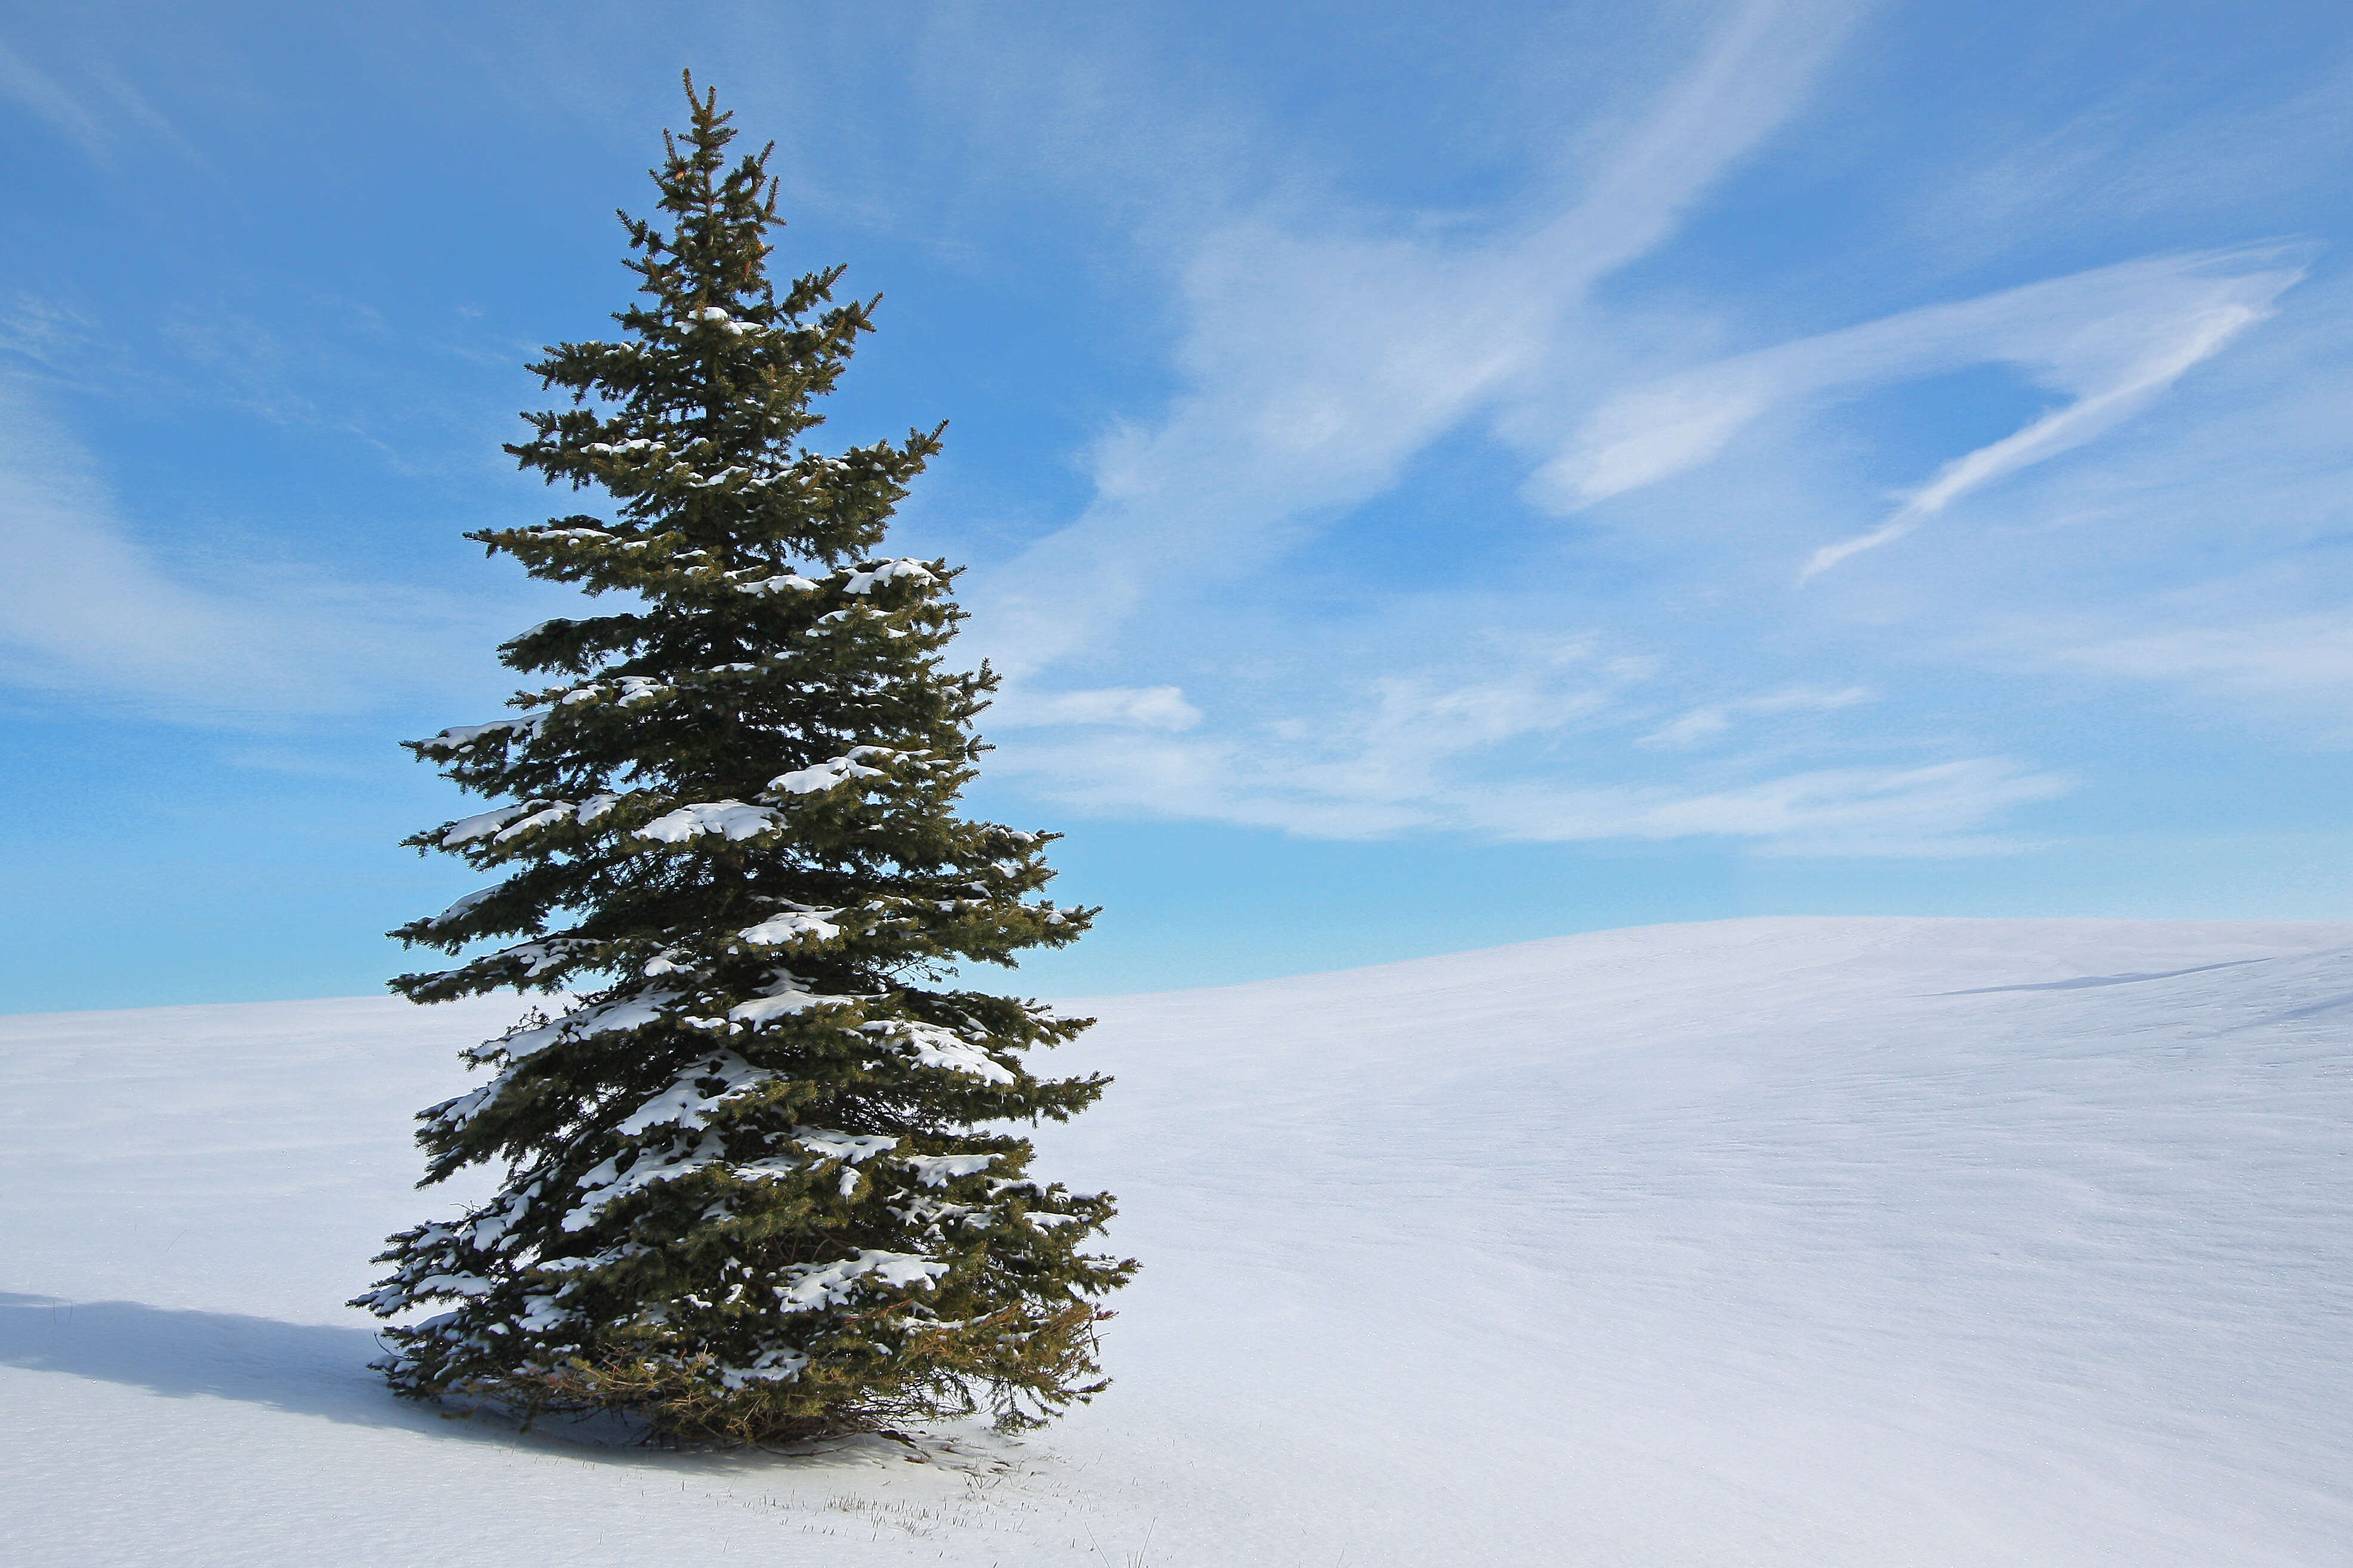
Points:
(866, 579)
(786, 999)
(466, 830)
(792, 928)
(462, 737)
(933, 1046)
(784, 583)
(466, 906)
(833, 770)
(616, 1015)
(684, 1102)
(732, 819)
(814, 1286)
(938, 1170)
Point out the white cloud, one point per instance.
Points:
(1321, 354)
(2134, 150)
(1713, 719)
(1866, 804)
(1505, 755)
(2300, 656)
(84, 609)
(2113, 339)
(97, 112)
(2195, 337)
(1126, 707)
(1321, 347)
(2194, 563)
(41, 95)
(1386, 787)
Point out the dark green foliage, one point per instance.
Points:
(753, 1192)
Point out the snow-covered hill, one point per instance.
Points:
(1807, 1242)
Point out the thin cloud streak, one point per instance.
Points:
(2115, 337)
(1938, 809)
(119, 113)
(2081, 421)
(1420, 752)
(1715, 718)
(1123, 707)
(1318, 367)
(1322, 348)
(84, 610)
(1319, 363)
(39, 94)
(2301, 657)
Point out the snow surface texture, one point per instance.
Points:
(1806, 1242)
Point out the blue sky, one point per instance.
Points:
(1434, 476)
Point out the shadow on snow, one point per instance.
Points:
(316, 1370)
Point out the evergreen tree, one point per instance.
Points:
(753, 1192)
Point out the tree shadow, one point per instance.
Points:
(319, 1370)
(305, 1369)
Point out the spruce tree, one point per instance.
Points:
(758, 1180)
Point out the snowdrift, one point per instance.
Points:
(1807, 1242)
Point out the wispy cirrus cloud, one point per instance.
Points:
(86, 609)
(90, 103)
(1713, 720)
(2131, 149)
(2293, 671)
(1325, 351)
(1943, 808)
(1123, 707)
(2299, 654)
(1320, 355)
(2111, 340)
(1505, 755)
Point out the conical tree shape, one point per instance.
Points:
(749, 1195)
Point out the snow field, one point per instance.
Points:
(1814, 1242)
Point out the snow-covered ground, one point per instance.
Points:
(1807, 1242)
